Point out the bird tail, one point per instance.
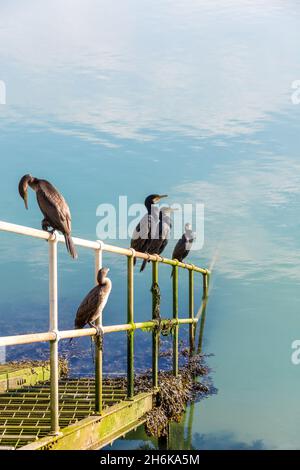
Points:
(76, 326)
(70, 246)
(143, 265)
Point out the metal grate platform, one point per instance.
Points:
(25, 413)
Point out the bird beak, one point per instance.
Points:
(158, 198)
(23, 188)
(169, 210)
(26, 200)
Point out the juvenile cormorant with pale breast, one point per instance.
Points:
(53, 206)
(92, 306)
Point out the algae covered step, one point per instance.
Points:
(25, 412)
(13, 376)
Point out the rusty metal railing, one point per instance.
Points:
(53, 336)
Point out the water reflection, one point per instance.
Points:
(95, 76)
(225, 441)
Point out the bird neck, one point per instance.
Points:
(104, 281)
(164, 218)
(33, 183)
(155, 212)
(148, 205)
(106, 285)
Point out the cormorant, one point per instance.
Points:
(159, 242)
(92, 306)
(147, 227)
(183, 246)
(53, 206)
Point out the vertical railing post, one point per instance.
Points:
(208, 274)
(206, 279)
(130, 333)
(53, 326)
(205, 284)
(98, 345)
(155, 333)
(175, 317)
(191, 311)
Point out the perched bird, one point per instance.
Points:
(147, 227)
(92, 306)
(183, 246)
(160, 240)
(53, 206)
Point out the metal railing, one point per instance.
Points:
(53, 336)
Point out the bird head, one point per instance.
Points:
(102, 275)
(165, 215)
(23, 188)
(189, 234)
(168, 210)
(153, 199)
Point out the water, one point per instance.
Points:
(192, 99)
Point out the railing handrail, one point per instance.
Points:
(54, 335)
(96, 245)
(42, 337)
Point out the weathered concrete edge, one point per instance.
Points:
(98, 431)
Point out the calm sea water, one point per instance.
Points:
(192, 99)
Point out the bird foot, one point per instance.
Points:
(46, 226)
(99, 333)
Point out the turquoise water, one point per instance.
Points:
(192, 99)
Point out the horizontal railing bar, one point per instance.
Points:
(95, 245)
(26, 339)
(51, 336)
(42, 234)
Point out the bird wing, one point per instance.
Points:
(165, 229)
(54, 207)
(179, 249)
(88, 307)
(141, 234)
(162, 228)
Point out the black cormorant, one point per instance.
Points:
(183, 246)
(147, 227)
(159, 242)
(52, 204)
